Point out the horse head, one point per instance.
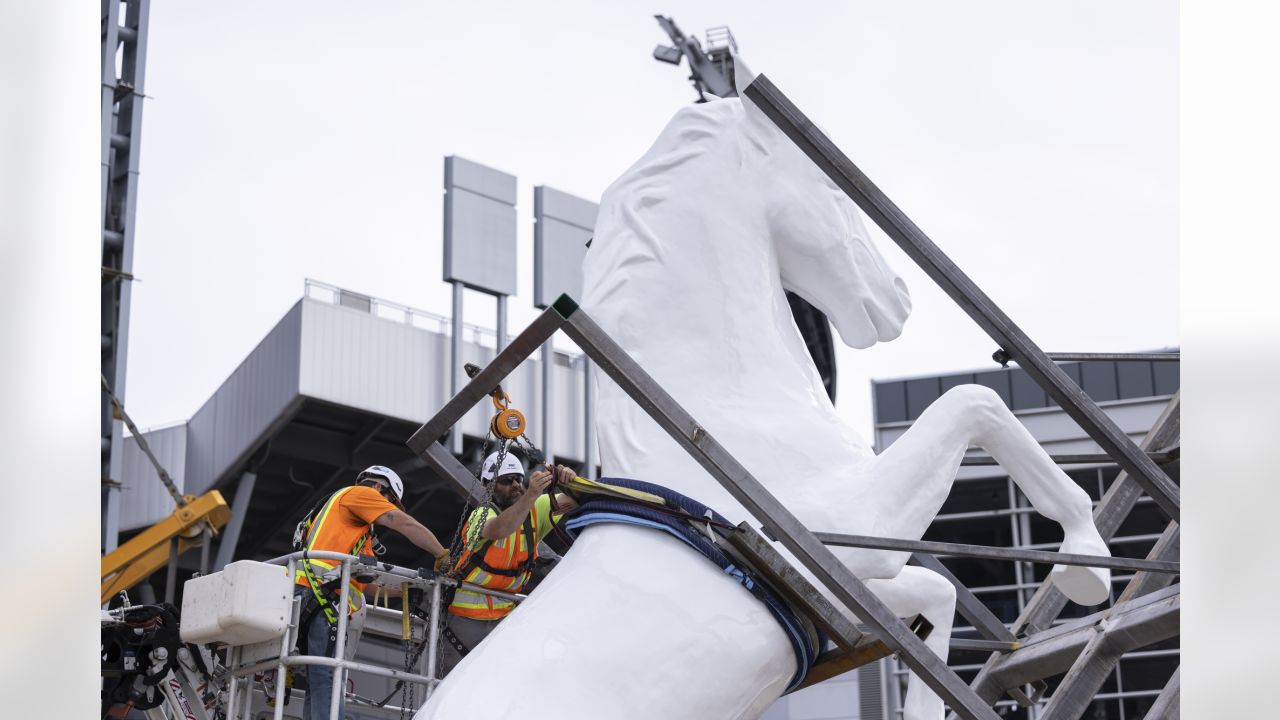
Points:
(825, 254)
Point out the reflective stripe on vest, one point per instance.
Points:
(509, 553)
(320, 567)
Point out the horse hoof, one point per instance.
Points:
(1083, 585)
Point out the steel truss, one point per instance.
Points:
(1147, 612)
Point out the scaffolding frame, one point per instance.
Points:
(124, 36)
(1148, 610)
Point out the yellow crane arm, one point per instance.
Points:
(148, 551)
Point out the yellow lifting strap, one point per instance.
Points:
(148, 551)
(591, 487)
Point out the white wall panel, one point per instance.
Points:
(144, 500)
(256, 396)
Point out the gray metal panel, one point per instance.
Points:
(891, 402)
(1100, 381)
(1166, 378)
(559, 249)
(390, 368)
(1135, 379)
(480, 179)
(997, 380)
(479, 227)
(244, 408)
(563, 224)
(145, 500)
(1025, 393)
(921, 393)
(570, 209)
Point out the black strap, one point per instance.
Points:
(453, 641)
(310, 608)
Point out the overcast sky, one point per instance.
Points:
(1036, 143)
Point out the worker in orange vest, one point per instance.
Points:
(345, 523)
(502, 539)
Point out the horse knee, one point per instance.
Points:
(981, 405)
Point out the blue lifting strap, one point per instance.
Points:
(806, 641)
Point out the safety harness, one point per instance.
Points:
(325, 593)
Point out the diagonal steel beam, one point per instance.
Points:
(1095, 663)
(492, 375)
(720, 464)
(440, 460)
(967, 604)
(1115, 506)
(1099, 657)
(1166, 704)
(795, 125)
(1128, 626)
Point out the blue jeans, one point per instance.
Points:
(315, 641)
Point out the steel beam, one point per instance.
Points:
(946, 549)
(1161, 458)
(1099, 657)
(968, 604)
(795, 125)
(1114, 507)
(491, 376)
(748, 491)
(1130, 626)
(1095, 357)
(239, 508)
(446, 465)
(121, 127)
(798, 591)
(1167, 703)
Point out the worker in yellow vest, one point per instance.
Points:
(345, 523)
(501, 547)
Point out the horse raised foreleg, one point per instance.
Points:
(920, 467)
(917, 591)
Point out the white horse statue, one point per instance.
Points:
(694, 247)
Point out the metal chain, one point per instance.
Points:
(143, 446)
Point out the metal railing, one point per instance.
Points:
(416, 317)
(385, 573)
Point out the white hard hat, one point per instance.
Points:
(511, 465)
(382, 472)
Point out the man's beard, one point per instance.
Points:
(507, 500)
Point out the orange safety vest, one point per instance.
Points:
(315, 535)
(504, 565)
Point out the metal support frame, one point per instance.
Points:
(720, 464)
(1012, 340)
(455, 361)
(807, 548)
(588, 422)
(239, 508)
(1119, 500)
(1127, 626)
(121, 134)
(548, 379)
(1166, 705)
(1100, 656)
(1160, 457)
(946, 549)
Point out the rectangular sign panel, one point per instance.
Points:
(479, 227)
(563, 224)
